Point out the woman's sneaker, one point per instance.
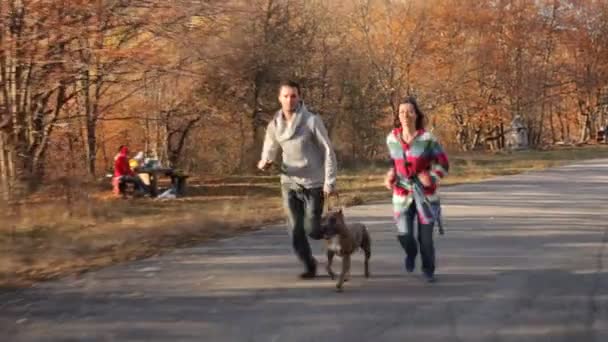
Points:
(410, 264)
(429, 277)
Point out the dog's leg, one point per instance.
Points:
(330, 258)
(366, 245)
(366, 263)
(345, 271)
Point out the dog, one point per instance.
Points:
(343, 240)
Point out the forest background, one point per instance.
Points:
(194, 83)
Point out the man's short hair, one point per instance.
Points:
(291, 84)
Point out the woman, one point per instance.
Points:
(419, 162)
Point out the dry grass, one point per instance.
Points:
(100, 232)
(75, 232)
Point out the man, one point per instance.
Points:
(308, 169)
(123, 172)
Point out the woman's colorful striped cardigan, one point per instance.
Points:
(423, 155)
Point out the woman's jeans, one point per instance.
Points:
(407, 239)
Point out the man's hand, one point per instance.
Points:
(264, 164)
(329, 190)
(330, 193)
(389, 179)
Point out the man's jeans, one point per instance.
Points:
(304, 208)
(139, 183)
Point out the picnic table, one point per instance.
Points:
(178, 180)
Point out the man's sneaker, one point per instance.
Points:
(308, 275)
(311, 272)
(410, 264)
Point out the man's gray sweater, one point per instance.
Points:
(308, 156)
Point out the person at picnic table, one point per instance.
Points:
(123, 172)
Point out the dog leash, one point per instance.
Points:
(329, 201)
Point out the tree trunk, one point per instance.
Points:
(562, 127)
(161, 152)
(180, 135)
(568, 129)
(502, 136)
(91, 146)
(584, 135)
(4, 168)
(461, 136)
(242, 149)
(147, 133)
(552, 125)
(11, 170)
(91, 104)
(249, 154)
(354, 141)
(476, 138)
(539, 137)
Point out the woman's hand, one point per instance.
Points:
(389, 179)
(425, 179)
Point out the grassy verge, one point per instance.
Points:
(71, 234)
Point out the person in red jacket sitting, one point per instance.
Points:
(123, 172)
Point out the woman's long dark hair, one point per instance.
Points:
(419, 114)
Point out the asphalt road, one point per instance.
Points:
(523, 259)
